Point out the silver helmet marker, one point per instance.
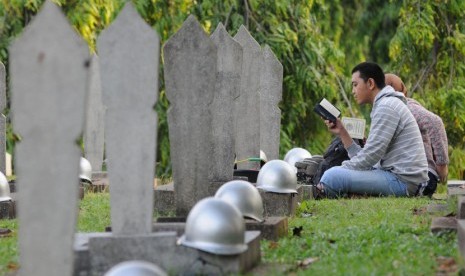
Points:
(215, 226)
(277, 176)
(244, 196)
(296, 155)
(136, 268)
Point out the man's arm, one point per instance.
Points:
(443, 171)
(383, 126)
(438, 138)
(339, 129)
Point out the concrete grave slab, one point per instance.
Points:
(178, 227)
(455, 191)
(129, 56)
(228, 85)
(272, 228)
(82, 265)
(7, 209)
(106, 250)
(277, 205)
(437, 208)
(271, 90)
(190, 71)
(164, 200)
(455, 183)
(461, 237)
(461, 207)
(306, 193)
(48, 73)
(247, 105)
(12, 184)
(441, 224)
(100, 182)
(95, 115)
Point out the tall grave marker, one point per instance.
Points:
(190, 58)
(48, 67)
(228, 87)
(2, 119)
(95, 114)
(129, 56)
(247, 107)
(271, 90)
(99, 252)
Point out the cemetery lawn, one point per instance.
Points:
(367, 236)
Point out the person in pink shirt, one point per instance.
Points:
(433, 134)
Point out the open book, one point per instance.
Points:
(355, 127)
(326, 110)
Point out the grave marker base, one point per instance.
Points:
(164, 201)
(272, 228)
(461, 207)
(437, 208)
(455, 190)
(461, 237)
(277, 205)
(441, 224)
(305, 192)
(455, 183)
(96, 253)
(99, 182)
(12, 185)
(8, 209)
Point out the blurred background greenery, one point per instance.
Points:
(317, 42)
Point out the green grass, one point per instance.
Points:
(373, 236)
(94, 212)
(370, 236)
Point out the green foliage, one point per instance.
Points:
(317, 42)
(428, 51)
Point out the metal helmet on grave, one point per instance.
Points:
(277, 176)
(135, 268)
(85, 170)
(215, 226)
(5, 194)
(244, 196)
(296, 155)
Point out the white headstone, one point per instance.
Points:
(129, 54)
(247, 106)
(271, 90)
(48, 67)
(190, 58)
(228, 87)
(95, 114)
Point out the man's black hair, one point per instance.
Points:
(371, 70)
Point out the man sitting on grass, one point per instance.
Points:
(434, 137)
(393, 160)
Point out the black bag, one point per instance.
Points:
(334, 155)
